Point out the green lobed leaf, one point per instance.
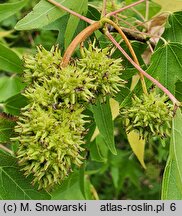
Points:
(9, 60)
(7, 124)
(174, 33)
(10, 86)
(154, 8)
(173, 30)
(103, 118)
(8, 9)
(13, 184)
(74, 21)
(45, 13)
(172, 178)
(166, 65)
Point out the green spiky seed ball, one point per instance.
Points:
(43, 63)
(104, 71)
(149, 115)
(50, 143)
(51, 127)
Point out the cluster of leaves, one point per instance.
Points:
(109, 147)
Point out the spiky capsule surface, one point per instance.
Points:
(51, 127)
(43, 63)
(149, 115)
(50, 143)
(104, 71)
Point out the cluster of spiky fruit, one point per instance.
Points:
(104, 71)
(51, 127)
(149, 115)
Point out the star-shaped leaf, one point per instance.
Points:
(166, 65)
(173, 29)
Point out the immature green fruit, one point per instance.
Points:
(104, 71)
(51, 127)
(149, 115)
(50, 143)
(73, 85)
(70, 85)
(43, 63)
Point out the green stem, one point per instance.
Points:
(106, 20)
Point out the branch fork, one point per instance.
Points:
(95, 25)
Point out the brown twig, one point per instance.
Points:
(71, 11)
(106, 20)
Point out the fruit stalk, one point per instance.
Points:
(106, 20)
(79, 39)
